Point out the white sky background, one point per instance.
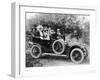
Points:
(30, 15)
(84, 18)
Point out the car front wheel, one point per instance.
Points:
(58, 46)
(77, 55)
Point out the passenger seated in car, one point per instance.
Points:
(46, 35)
(39, 31)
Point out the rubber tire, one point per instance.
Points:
(40, 51)
(82, 54)
(62, 42)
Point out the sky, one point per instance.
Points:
(30, 15)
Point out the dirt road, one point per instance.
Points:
(48, 60)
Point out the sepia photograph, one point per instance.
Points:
(56, 39)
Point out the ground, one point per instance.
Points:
(48, 60)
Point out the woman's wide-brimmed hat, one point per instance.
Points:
(39, 27)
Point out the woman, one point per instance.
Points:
(40, 31)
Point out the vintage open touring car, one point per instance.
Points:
(72, 49)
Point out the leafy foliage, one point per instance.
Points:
(67, 23)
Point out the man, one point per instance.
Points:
(58, 33)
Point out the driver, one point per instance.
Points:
(58, 34)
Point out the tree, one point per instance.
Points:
(67, 23)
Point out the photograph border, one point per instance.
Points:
(58, 14)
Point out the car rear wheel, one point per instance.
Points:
(77, 55)
(36, 51)
(58, 46)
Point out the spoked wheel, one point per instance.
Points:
(36, 51)
(77, 55)
(58, 46)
